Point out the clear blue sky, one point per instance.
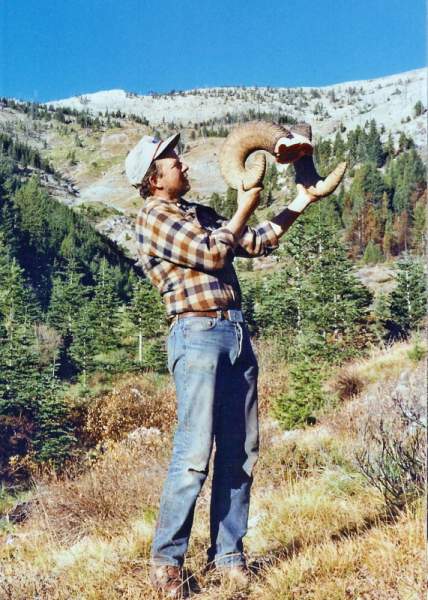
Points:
(53, 49)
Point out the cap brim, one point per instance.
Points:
(168, 144)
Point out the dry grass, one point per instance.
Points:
(384, 365)
(312, 510)
(317, 530)
(125, 481)
(385, 562)
(379, 562)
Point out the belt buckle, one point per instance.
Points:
(235, 315)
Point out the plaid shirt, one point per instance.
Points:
(186, 250)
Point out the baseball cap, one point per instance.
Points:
(139, 159)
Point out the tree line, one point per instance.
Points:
(72, 305)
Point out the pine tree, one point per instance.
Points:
(315, 299)
(9, 219)
(339, 147)
(408, 299)
(374, 150)
(372, 254)
(277, 310)
(323, 155)
(67, 297)
(31, 201)
(401, 197)
(83, 347)
(20, 387)
(299, 249)
(146, 313)
(17, 302)
(104, 308)
(250, 293)
(216, 202)
(401, 228)
(389, 242)
(419, 226)
(230, 203)
(382, 317)
(367, 185)
(338, 301)
(21, 390)
(404, 142)
(418, 109)
(389, 149)
(299, 405)
(54, 439)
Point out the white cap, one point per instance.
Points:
(140, 158)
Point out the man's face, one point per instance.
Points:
(172, 178)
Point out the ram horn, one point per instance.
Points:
(318, 186)
(258, 135)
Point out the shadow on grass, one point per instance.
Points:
(294, 547)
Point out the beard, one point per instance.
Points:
(185, 187)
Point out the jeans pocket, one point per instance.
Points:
(170, 346)
(197, 324)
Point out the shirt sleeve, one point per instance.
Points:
(163, 232)
(254, 241)
(257, 241)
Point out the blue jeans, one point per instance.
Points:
(215, 372)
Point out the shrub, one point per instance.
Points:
(417, 352)
(392, 454)
(154, 356)
(299, 405)
(348, 383)
(137, 402)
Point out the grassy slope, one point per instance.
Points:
(317, 529)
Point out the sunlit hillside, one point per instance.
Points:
(337, 315)
(90, 156)
(319, 529)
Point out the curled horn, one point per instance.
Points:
(316, 185)
(245, 139)
(292, 145)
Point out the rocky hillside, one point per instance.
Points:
(389, 100)
(91, 160)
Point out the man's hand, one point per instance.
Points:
(247, 204)
(250, 198)
(304, 195)
(286, 217)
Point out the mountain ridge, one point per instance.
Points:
(91, 161)
(352, 105)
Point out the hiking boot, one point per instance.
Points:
(168, 579)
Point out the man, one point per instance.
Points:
(187, 251)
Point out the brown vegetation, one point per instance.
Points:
(134, 402)
(124, 479)
(318, 529)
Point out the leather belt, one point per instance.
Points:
(231, 315)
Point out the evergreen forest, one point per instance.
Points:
(76, 312)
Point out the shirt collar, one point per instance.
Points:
(181, 203)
